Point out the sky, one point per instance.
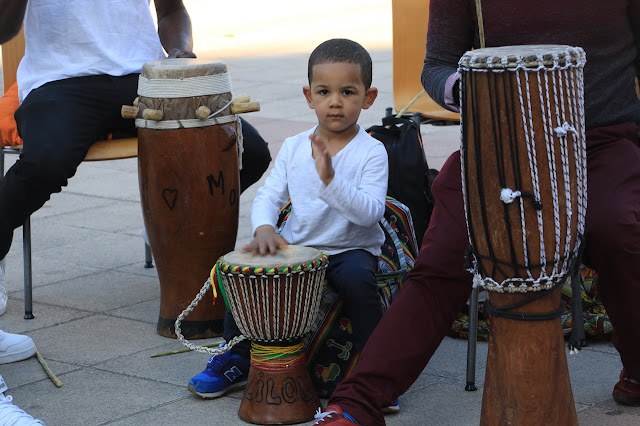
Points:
(241, 28)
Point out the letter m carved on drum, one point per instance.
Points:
(219, 183)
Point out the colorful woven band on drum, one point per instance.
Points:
(543, 83)
(258, 271)
(274, 355)
(216, 281)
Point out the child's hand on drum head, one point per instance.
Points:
(323, 159)
(265, 241)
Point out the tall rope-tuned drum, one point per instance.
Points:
(524, 184)
(189, 182)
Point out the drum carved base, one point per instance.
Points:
(278, 395)
(527, 379)
(190, 329)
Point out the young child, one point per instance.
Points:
(335, 210)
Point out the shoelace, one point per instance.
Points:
(320, 416)
(12, 414)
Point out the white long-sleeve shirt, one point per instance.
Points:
(333, 218)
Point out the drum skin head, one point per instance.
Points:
(523, 56)
(182, 68)
(291, 255)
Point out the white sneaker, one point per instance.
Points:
(3, 291)
(12, 415)
(15, 347)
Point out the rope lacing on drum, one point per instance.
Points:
(508, 196)
(562, 130)
(187, 311)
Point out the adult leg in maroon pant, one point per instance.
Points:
(411, 330)
(613, 232)
(436, 289)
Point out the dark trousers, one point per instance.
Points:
(353, 275)
(438, 287)
(59, 122)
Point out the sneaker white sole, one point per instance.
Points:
(18, 356)
(393, 409)
(218, 394)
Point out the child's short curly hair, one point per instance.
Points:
(342, 50)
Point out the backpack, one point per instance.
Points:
(410, 177)
(330, 351)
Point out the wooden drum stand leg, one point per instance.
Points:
(527, 379)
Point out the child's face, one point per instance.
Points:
(337, 94)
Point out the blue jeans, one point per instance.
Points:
(353, 275)
(59, 122)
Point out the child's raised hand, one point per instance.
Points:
(265, 241)
(323, 160)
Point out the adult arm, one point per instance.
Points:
(451, 32)
(11, 16)
(174, 28)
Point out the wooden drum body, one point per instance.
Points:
(524, 184)
(274, 300)
(189, 184)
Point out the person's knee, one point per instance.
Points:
(48, 165)
(616, 228)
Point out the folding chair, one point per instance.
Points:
(12, 53)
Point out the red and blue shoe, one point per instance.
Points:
(334, 415)
(627, 390)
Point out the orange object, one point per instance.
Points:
(9, 103)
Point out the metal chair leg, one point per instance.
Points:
(473, 338)
(28, 276)
(148, 257)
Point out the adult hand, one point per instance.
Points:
(177, 53)
(323, 160)
(265, 241)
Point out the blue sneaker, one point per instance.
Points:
(224, 372)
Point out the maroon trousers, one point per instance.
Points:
(438, 287)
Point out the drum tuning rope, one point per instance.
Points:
(560, 141)
(188, 309)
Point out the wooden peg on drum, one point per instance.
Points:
(243, 104)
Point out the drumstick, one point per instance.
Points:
(47, 370)
(179, 351)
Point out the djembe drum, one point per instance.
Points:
(188, 138)
(274, 300)
(524, 184)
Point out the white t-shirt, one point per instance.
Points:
(75, 38)
(341, 216)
